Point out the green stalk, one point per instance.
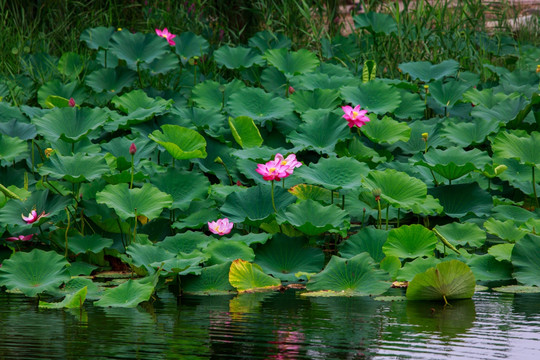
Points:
(387, 211)
(132, 171)
(67, 230)
(273, 203)
(534, 187)
(380, 217)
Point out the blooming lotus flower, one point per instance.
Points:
(289, 163)
(33, 217)
(221, 226)
(20, 238)
(167, 35)
(355, 116)
(272, 170)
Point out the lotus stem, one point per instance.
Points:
(534, 187)
(132, 171)
(342, 202)
(387, 211)
(398, 213)
(32, 156)
(273, 203)
(363, 217)
(331, 196)
(283, 180)
(67, 230)
(135, 228)
(379, 209)
(139, 73)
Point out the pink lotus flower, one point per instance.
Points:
(221, 226)
(355, 116)
(272, 170)
(289, 163)
(20, 238)
(33, 216)
(167, 35)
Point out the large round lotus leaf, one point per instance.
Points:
(454, 162)
(183, 186)
(292, 62)
(140, 106)
(128, 295)
(462, 199)
(506, 230)
(274, 81)
(129, 203)
(251, 238)
(110, 80)
(282, 257)
(254, 204)
(503, 112)
(409, 242)
(487, 268)
(16, 128)
(264, 40)
(391, 264)
(185, 243)
(77, 168)
(511, 212)
(462, 234)
(34, 272)
(70, 124)
(320, 131)
(526, 260)
(304, 192)
(244, 275)
(189, 45)
(258, 105)
(334, 173)
(447, 93)
(183, 266)
(376, 23)
(448, 280)
(162, 65)
(317, 80)
(386, 130)
(417, 266)
(70, 65)
(425, 71)
(137, 48)
(501, 251)
(398, 188)
(519, 145)
(119, 147)
(211, 95)
(56, 88)
(220, 252)
(237, 57)
(12, 149)
(312, 218)
(466, 133)
(518, 175)
(182, 143)
(374, 96)
(368, 240)
(317, 99)
(81, 268)
(411, 106)
(208, 120)
(144, 255)
(355, 275)
(80, 244)
(97, 37)
(245, 132)
(212, 281)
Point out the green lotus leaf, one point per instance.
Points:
(128, 203)
(517, 289)
(304, 192)
(487, 268)
(312, 218)
(145, 255)
(211, 95)
(391, 264)
(283, 257)
(189, 45)
(449, 92)
(128, 295)
(214, 280)
(409, 242)
(258, 105)
(34, 272)
(425, 71)
(356, 275)
(139, 105)
(396, 187)
(526, 260)
(386, 130)
(81, 268)
(136, 48)
(182, 143)
(220, 252)
(518, 175)
(71, 301)
(181, 266)
(274, 81)
(417, 266)
(183, 186)
(244, 276)
(237, 57)
(254, 205)
(506, 230)
(469, 133)
(519, 145)
(462, 199)
(292, 62)
(199, 216)
(245, 132)
(162, 65)
(251, 238)
(186, 243)
(98, 37)
(411, 106)
(206, 120)
(503, 112)
(56, 88)
(486, 97)
(501, 252)
(510, 212)
(12, 149)
(15, 128)
(76, 168)
(375, 96)
(454, 162)
(315, 80)
(110, 80)
(315, 99)
(448, 280)
(334, 173)
(119, 147)
(462, 234)
(77, 283)
(320, 131)
(368, 240)
(70, 65)
(95, 243)
(8, 112)
(70, 124)
(376, 23)
(264, 40)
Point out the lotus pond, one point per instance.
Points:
(163, 165)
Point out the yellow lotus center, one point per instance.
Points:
(163, 36)
(271, 170)
(284, 162)
(354, 114)
(217, 228)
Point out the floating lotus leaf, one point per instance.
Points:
(283, 257)
(214, 280)
(526, 260)
(56, 88)
(447, 93)
(220, 252)
(34, 272)
(368, 240)
(71, 301)
(258, 105)
(469, 133)
(77, 168)
(304, 192)
(312, 218)
(137, 48)
(462, 234)
(374, 96)
(417, 266)
(454, 162)
(16, 128)
(70, 124)
(129, 203)
(211, 95)
(95, 243)
(98, 37)
(292, 62)
(110, 80)
(519, 145)
(316, 99)
(425, 71)
(506, 230)
(244, 275)
(462, 199)
(517, 289)
(376, 23)
(185, 243)
(183, 186)
(12, 149)
(128, 295)
(386, 130)
(501, 251)
(189, 45)
(487, 268)
(409, 242)
(264, 40)
(237, 57)
(245, 132)
(182, 143)
(356, 275)
(448, 280)
(396, 187)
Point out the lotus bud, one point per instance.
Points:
(218, 160)
(500, 169)
(537, 68)
(426, 87)
(377, 193)
(132, 149)
(72, 102)
(49, 152)
(425, 136)
(291, 90)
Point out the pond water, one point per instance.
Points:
(275, 326)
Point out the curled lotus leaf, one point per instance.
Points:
(244, 276)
